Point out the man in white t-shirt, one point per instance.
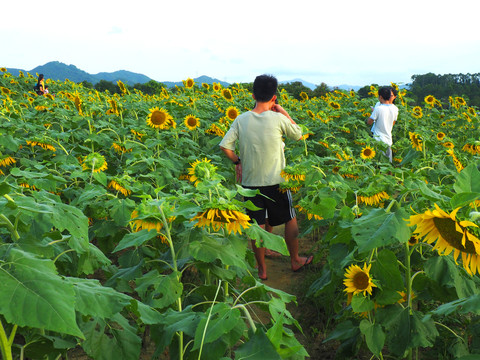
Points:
(383, 118)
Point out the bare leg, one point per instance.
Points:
(260, 257)
(268, 252)
(291, 238)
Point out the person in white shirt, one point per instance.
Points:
(383, 118)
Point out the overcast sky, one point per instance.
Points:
(336, 42)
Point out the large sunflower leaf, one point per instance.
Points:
(374, 336)
(159, 291)
(468, 180)
(116, 339)
(34, 295)
(380, 228)
(210, 249)
(467, 305)
(222, 321)
(94, 299)
(266, 239)
(257, 347)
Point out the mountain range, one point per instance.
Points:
(56, 70)
(59, 71)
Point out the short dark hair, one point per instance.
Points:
(264, 87)
(385, 92)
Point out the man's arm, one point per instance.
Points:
(370, 121)
(236, 160)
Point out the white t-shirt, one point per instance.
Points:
(384, 116)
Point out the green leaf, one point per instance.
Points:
(222, 320)
(115, 339)
(101, 177)
(159, 291)
(120, 210)
(8, 142)
(444, 271)
(343, 331)
(429, 193)
(94, 299)
(463, 199)
(386, 270)
(265, 239)
(409, 331)
(211, 248)
(173, 321)
(135, 239)
(4, 187)
(361, 303)
(257, 347)
(374, 336)
(380, 228)
(466, 305)
(34, 295)
(468, 180)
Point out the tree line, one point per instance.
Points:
(440, 86)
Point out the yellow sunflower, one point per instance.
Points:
(6, 161)
(449, 235)
(417, 112)
(460, 101)
(43, 145)
(78, 104)
(367, 153)
(205, 86)
(430, 100)
(448, 144)
(358, 280)
(373, 200)
(304, 96)
(456, 162)
(416, 141)
(227, 94)
(440, 136)
(216, 86)
(292, 175)
(137, 134)
(159, 118)
(310, 215)
(114, 184)
(201, 169)
(229, 219)
(94, 162)
(334, 105)
(232, 112)
(120, 149)
(188, 83)
(191, 122)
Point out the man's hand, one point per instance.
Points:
(281, 110)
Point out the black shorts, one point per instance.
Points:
(278, 205)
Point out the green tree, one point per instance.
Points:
(321, 90)
(104, 85)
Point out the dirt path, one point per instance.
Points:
(280, 276)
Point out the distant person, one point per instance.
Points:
(383, 118)
(394, 94)
(259, 134)
(40, 87)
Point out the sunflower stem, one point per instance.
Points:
(5, 345)
(166, 226)
(208, 320)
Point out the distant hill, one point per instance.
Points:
(59, 71)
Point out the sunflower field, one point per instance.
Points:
(121, 223)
